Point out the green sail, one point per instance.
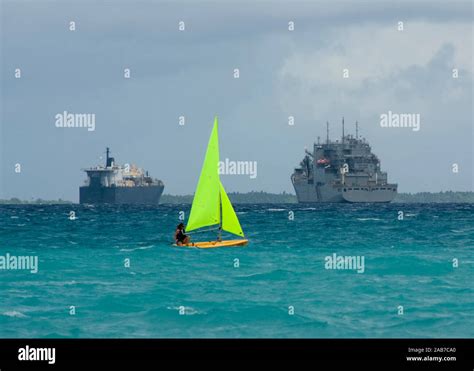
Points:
(205, 210)
(230, 222)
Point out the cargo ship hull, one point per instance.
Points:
(121, 195)
(308, 193)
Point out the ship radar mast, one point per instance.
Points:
(342, 130)
(327, 132)
(109, 161)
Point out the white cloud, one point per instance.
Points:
(375, 57)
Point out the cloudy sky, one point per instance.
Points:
(282, 73)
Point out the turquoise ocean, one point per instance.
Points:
(418, 278)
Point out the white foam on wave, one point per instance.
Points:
(58, 283)
(14, 313)
(138, 248)
(462, 230)
(189, 311)
(276, 209)
(365, 219)
(67, 283)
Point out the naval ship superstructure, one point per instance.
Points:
(118, 184)
(342, 171)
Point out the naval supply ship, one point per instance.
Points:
(342, 171)
(118, 184)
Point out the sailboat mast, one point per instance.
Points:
(219, 233)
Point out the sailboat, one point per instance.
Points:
(211, 205)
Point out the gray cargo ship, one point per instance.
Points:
(342, 171)
(118, 184)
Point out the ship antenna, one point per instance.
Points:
(343, 130)
(327, 132)
(357, 130)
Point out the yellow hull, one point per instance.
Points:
(213, 244)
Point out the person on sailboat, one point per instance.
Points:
(179, 235)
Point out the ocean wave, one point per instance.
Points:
(56, 283)
(14, 313)
(276, 209)
(366, 219)
(277, 274)
(188, 311)
(138, 248)
(462, 230)
(65, 283)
